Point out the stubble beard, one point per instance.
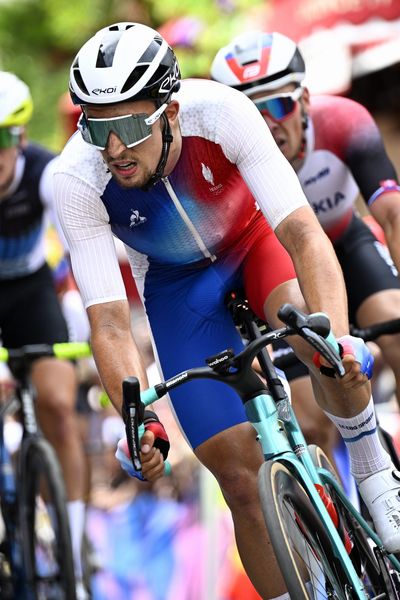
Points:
(134, 182)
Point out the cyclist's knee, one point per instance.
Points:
(234, 457)
(239, 486)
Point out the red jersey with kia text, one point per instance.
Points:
(345, 156)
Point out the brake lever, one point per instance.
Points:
(133, 416)
(302, 324)
(325, 349)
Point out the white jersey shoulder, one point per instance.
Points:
(218, 113)
(81, 160)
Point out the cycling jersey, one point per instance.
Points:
(22, 213)
(195, 234)
(345, 156)
(29, 309)
(196, 213)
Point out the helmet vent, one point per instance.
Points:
(134, 77)
(79, 81)
(106, 53)
(150, 52)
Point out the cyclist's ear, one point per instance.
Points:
(305, 99)
(172, 111)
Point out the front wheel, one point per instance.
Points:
(44, 523)
(309, 565)
(373, 565)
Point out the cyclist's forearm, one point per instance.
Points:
(386, 211)
(392, 236)
(322, 285)
(115, 353)
(318, 271)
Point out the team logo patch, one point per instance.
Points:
(207, 173)
(136, 219)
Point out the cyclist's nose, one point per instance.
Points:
(115, 145)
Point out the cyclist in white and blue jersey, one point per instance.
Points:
(29, 309)
(188, 176)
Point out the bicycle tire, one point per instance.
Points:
(374, 569)
(301, 544)
(45, 532)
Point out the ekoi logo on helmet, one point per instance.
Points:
(169, 84)
(101, 92)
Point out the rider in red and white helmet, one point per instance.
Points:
(256, 61)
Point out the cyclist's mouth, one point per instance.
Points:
(126, 169)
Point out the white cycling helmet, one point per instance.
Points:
(255, 62)
(16, 104)
(125, 61)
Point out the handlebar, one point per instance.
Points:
(234, 370)
(368, 334)
(67, 351)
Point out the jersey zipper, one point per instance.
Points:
(186, 219)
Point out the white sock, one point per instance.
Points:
(367, 455)
(76, 514)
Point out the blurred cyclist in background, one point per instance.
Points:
(337, 151)
(30, 312)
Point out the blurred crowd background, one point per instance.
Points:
(175, 540)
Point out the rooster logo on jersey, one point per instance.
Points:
(207, 173)
(136, 219)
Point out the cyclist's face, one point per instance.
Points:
(131, 167)
(287, 132)
(8, 159)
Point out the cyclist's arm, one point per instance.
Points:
(277, 190)
(114, 348)
(316, 266)
(386, 211)
(364, 153)
(97, 273)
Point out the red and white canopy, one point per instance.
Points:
(340, 39)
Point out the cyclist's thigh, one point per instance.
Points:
(367, 266)
(190, 322)
(30, 311)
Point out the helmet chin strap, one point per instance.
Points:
(167, 138)
(304, 124)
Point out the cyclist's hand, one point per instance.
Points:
(151, 458)
(154, 447)
(357, 361)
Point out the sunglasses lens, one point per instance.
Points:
(8, 137)
(131, 130)
(277, 108)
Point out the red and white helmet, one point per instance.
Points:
(125, 61)
(256, 61)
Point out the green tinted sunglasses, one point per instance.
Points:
(9, 136)
(131, 129)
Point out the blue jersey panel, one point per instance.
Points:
(190, 322)
(150, 223)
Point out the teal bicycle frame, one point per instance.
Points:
(278, 432)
